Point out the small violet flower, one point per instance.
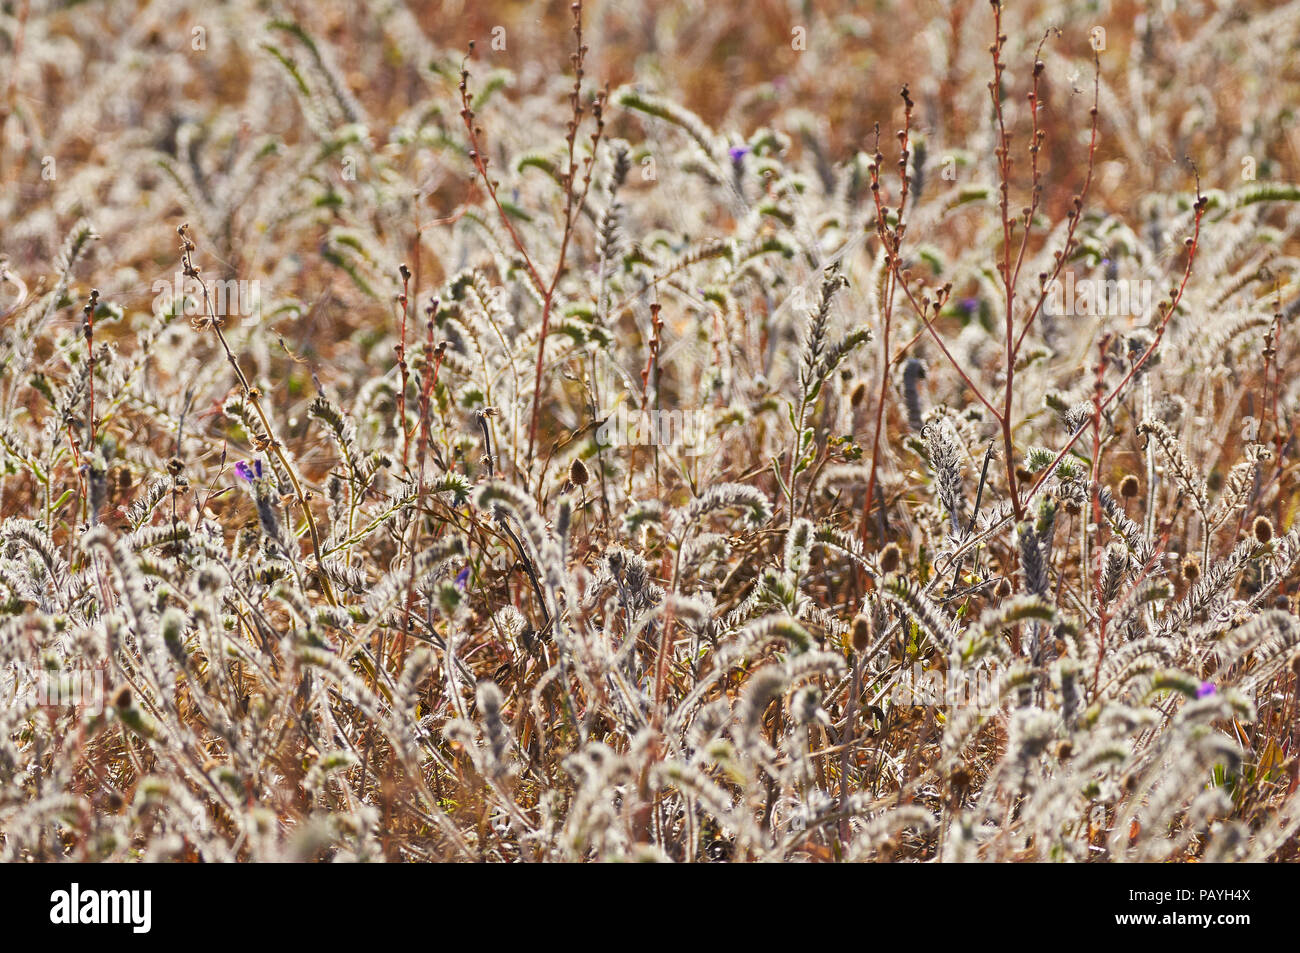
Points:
(462, 578)
(249, 472)
(1207, 689)
(737, 153)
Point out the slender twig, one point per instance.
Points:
(254, 397)
(574, 200)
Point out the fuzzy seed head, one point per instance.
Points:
(1263, 530)
(861, 632)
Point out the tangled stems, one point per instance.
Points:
(254, 397)
(1008, 268)
(1168, 309)
(575, 198)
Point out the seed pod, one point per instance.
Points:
(1263, 529)
(861, 632)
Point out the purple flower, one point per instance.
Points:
(738, 152)
(970, 305)
(462, 577)
(1207, 689)
(249, 472)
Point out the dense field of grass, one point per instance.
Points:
(696, 432)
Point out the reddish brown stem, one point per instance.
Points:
(1168, 311)
(574, 201)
